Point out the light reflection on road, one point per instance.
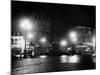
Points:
(46, 63)
(70, 59)
(64, 59)
(74, 59)
(43, 56)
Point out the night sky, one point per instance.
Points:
(62, 17)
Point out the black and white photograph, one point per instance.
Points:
(52, 37)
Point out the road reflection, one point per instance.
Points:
(64, 59)
(45, 63)
(74, 59)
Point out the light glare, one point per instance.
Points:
(73, 34)
(26, 24)
(43, 40)
(63, 43)
(29, 35)
(73, 37)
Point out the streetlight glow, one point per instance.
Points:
(73, 36)
(74, 39)
(43, 40)
(29, 35)
(63, 43)
(26, 24)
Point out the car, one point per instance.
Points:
(16, 53)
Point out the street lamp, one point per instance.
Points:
(26, 25)
(30, 36)
(43, 40)
(63, 43)
(73, 36)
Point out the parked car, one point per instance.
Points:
(16, 52)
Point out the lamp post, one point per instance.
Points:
(25, 25)
(43, 42)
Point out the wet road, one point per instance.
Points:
(52, 64)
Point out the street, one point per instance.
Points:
(50, 37)
(46, 63)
